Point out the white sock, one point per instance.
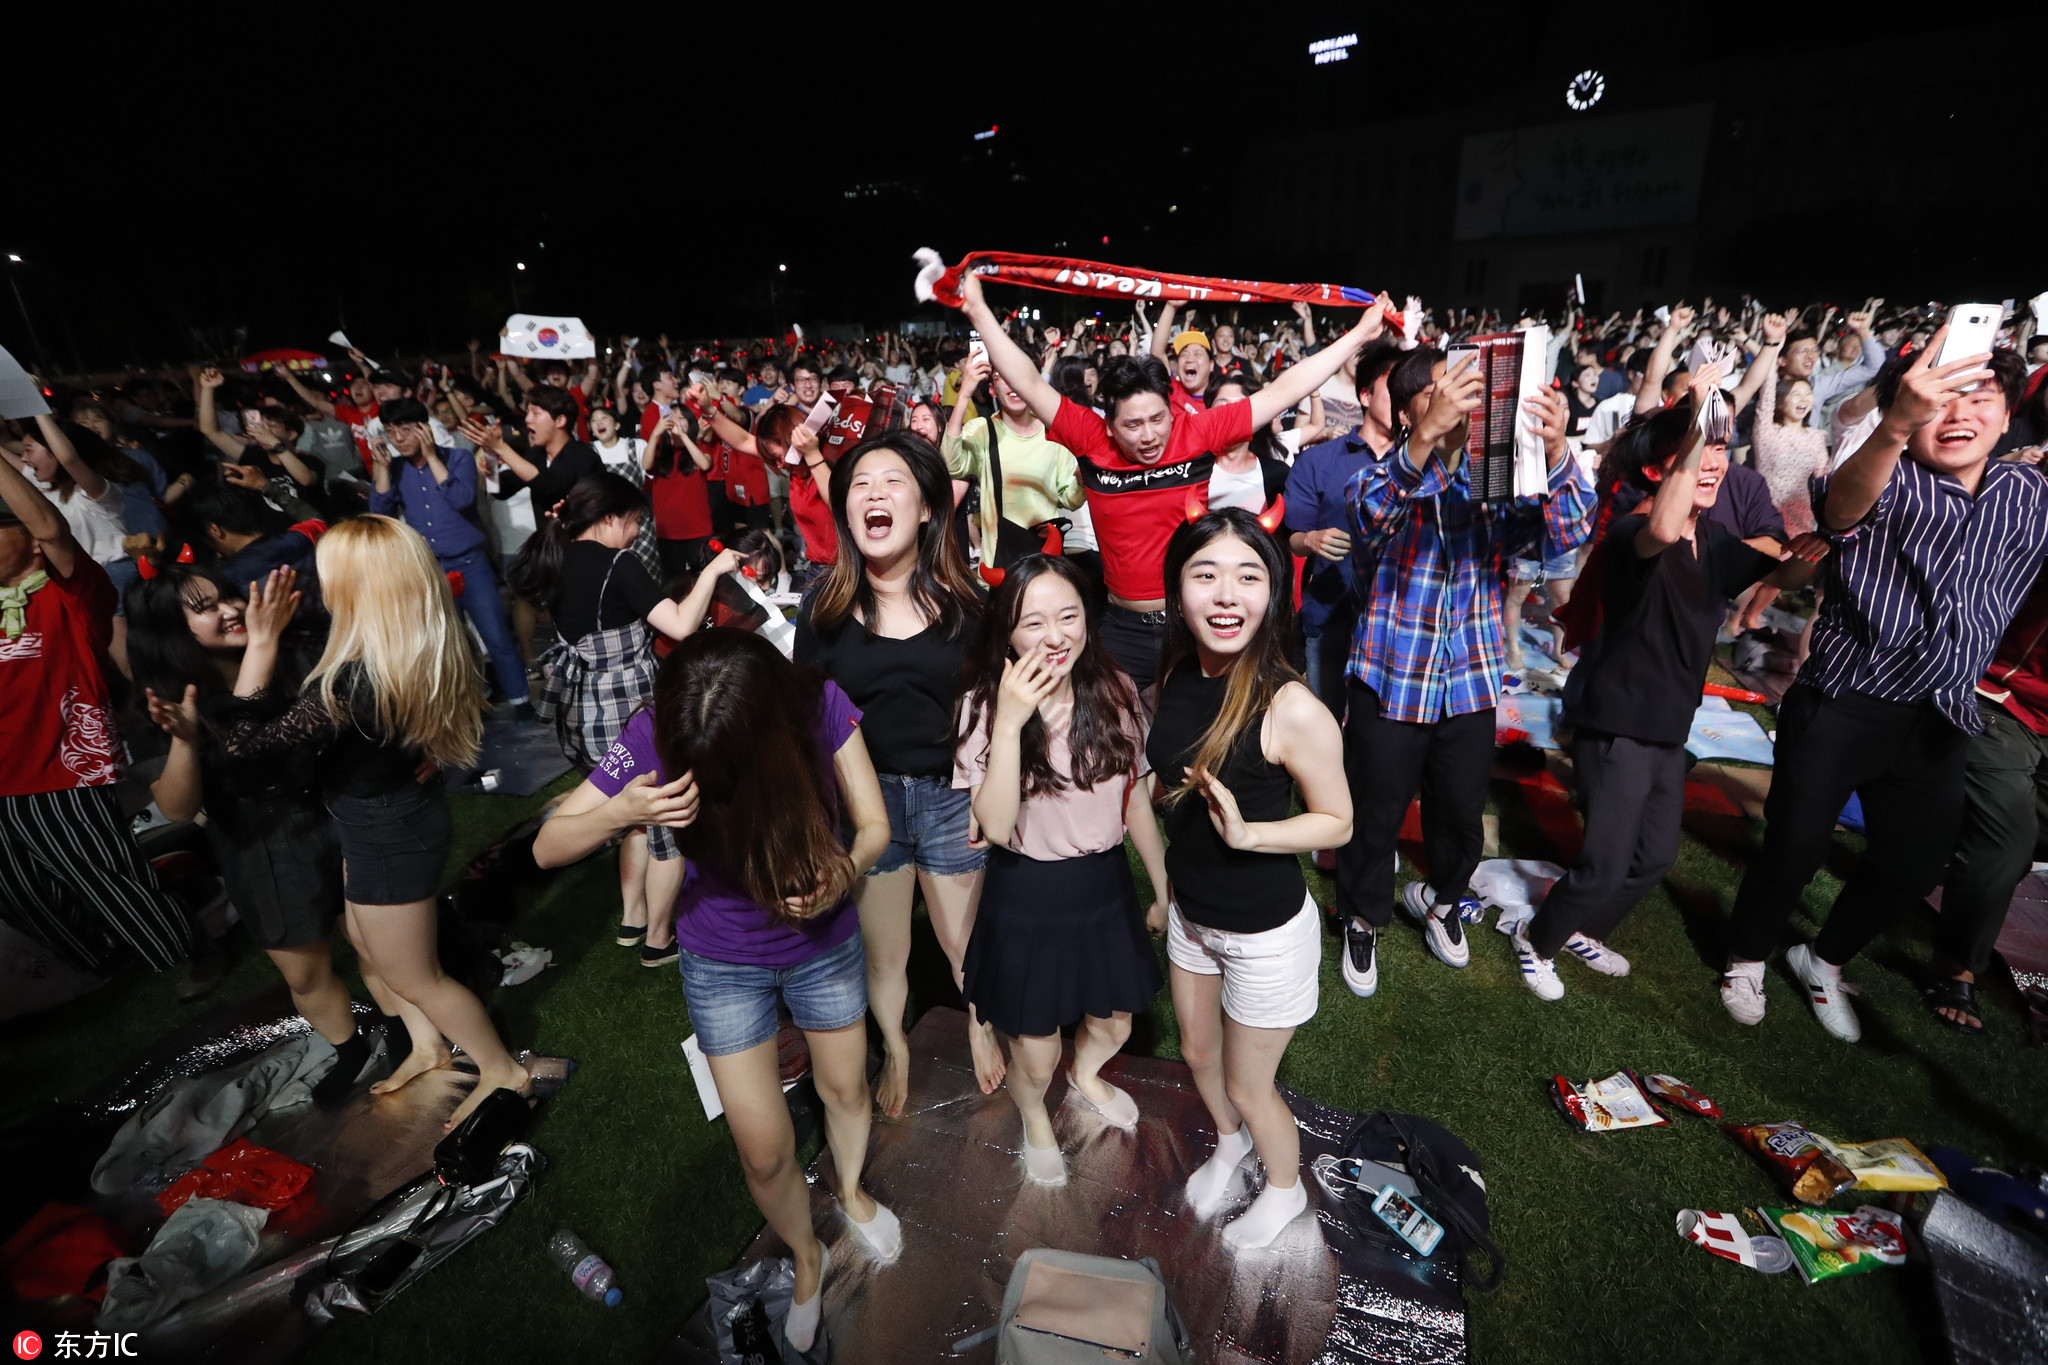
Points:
(1273, 1210)
(883, 1233)
(1044, 1165)
(1211, 1180)
(801, 1324)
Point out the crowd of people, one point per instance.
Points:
(1230, 595)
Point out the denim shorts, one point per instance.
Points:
(732, 1004)
(927, 825)
(1545, 570)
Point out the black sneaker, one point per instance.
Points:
(1361, 958)
(630, 935)
(651, 956)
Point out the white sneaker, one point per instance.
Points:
(1742, 992)
(1824, 989)
(1441, 925)
(1596, 955)
(1539, 974)
(1361, 958)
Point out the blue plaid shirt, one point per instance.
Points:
(1429, 561)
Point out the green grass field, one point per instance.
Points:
(1595, 1272)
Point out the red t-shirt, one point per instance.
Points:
(57, 728)
(682, 505)
(582, 412)
(358, 420)
(1184, 402)
(650, 418)
(813, 518)
(1134, 506)
(746, 478)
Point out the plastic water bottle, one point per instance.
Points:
(593, 1278)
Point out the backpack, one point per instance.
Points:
(1065, 1308)
(1448, 1185)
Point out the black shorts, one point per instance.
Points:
(280, 858)
(394, 846)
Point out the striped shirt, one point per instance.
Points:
(1917, 594)
(1429, 565)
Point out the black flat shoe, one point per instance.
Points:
(1952, 993)
(657, 957)
(630, 935)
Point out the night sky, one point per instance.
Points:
(196, 187)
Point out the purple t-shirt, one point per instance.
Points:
(715, 918)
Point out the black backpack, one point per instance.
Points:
(1448, 1184)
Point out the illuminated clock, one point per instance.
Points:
(1585, 90)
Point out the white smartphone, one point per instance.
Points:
(1972, 329)
(976, 347)
(1408, 1222)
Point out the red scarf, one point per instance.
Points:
(1064, 275)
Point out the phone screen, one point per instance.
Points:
(1972, 330)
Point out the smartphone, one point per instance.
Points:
(1972, 328)
(1456, 353)
(976, 347)
(1408, 1222)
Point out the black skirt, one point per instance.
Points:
(394, 846)
(1053, 941)
(281, 860)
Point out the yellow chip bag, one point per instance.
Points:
(1887, 1164)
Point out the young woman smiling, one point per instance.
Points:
(890, 623)
(1237, 732)
(1051, 752)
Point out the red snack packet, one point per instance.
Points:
(1800, 1163)
(1675, 1091)
(242, 1172)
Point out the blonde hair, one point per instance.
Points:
(394, 616)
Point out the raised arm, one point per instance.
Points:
(1301, 380)
(209, 383)
(316, 401)
(1763, 370)
(89, 480)
(1162, 335)
(1650, 396)
(1672, 508)
(1924, 390)
(39, 517)
(1018, 370)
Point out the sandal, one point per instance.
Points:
(1953, 993)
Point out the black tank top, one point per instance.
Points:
(1216, 885)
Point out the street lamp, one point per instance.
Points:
(35, 342)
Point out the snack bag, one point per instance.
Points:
(1607, 1106)
(1827, 1244)
(1674, 1091)
(1797, 1156)
(1887, 1164)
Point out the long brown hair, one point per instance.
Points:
(939, 585)
(1100, 742)
(729, 708)
(1261, 669)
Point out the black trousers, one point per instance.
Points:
(72, 878)
(1633, 797)
(1132, 639)
(1905, 761)
(1384, 761)
(725, 513)
(2005, 780)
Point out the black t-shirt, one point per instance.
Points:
(557, 476)
(1640, 676)
(906, 690)
(1214, 884)
(629, 596)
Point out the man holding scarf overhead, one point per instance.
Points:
(1145, 466)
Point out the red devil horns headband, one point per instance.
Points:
(1270, 518)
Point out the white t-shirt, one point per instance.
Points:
(1246, 490)
(510, 520)
(620, 454)
(98, 525)
(1609, 416)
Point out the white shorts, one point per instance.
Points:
(1270, 980)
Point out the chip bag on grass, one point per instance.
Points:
(1886, 1164)
(1827, 1244)
(1799, 1160)
(1674, 1091)
(1607, 1106)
